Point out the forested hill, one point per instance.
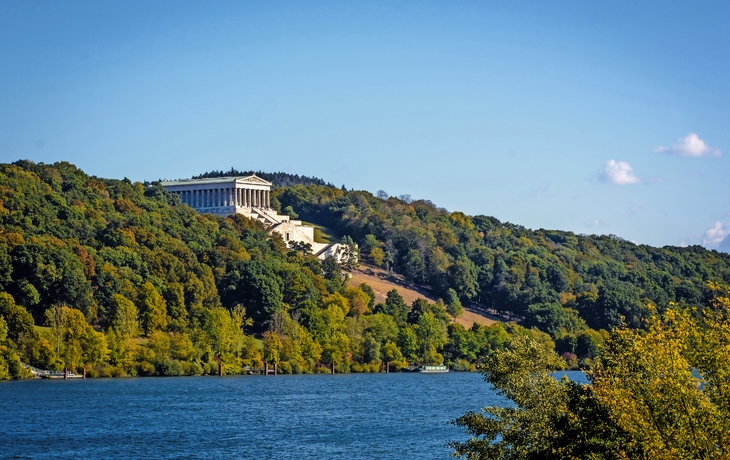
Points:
(552, 279)
(279, 179)
(165, 288)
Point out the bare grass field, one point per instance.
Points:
(382, 282)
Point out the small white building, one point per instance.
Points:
(250, 196)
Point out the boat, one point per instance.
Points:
(433, 369)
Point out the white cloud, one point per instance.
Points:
(619, 172)
(596, 223)
(689, 146)
(716, 237)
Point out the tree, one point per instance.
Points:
(301, 247)
(462, 276)
(18, 320)
(668, 386)
(432, 338)
(125, 316)
(453, 304)
(548, 419)
(377, 256)
(255, 285)
(413, 266)
(395, 306)
(349, 254)
(225, 331)
(289, 211)
(77, 344)
(153, 308)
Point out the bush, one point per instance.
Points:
(145, 368)
(171, 368)
(296, 368)
(284, 368)
(461, 365)
(191, 368)
(358, 368)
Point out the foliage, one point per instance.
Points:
(549, 279)
(668, 387)
(549, 418)
(161, 289)
(661, 392)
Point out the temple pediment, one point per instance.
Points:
(254, 180)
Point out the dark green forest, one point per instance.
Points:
(120, 278)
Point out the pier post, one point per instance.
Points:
(220, 369)
(333, 368)
(275, 369)
(266, 368)
(84, 371)
(387, 367)
(65, 374)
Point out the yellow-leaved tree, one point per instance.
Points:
(668, 387)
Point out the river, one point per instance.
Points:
(348, 416)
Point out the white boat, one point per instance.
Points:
(433, 369)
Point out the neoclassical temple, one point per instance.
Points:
(250, 196)
(222, 195)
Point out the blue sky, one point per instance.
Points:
(594, 117)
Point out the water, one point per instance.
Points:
(309, 416)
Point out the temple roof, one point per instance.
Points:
(253, 180)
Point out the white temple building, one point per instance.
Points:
(250, 196)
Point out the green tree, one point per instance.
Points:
(377, 256)
(453, 304)
(225, 332)
(395, 306)
(125, 320)
(17, 318)
(153, 309)
(432, 337)
(548, 418)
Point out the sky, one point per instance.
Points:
(592, 117)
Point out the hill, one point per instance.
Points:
(554, 280)
(127, 280)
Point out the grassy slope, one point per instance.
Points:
(382, 282)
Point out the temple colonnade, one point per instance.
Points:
(227, 196)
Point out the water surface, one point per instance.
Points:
(379, 416)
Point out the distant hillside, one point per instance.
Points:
(279, 179)
(554, 280)
(168, 291)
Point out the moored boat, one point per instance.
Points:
(433, 369)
